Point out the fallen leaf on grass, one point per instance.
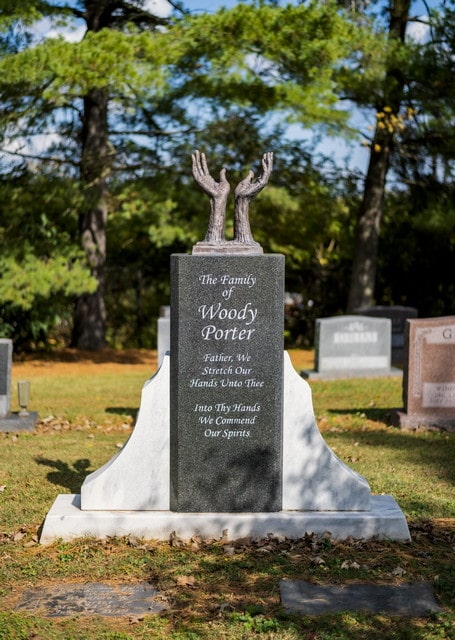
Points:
(347, 564)
(186, 581)
(21, 533)
(136, 543)
(175, 540)
(265, 549)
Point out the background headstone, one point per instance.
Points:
(398, 315)
(6, 358)
(226, 382)
(429, 374)
(11, 421)
(352, 346)
(164, 333)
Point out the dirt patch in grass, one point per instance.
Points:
(76, 362)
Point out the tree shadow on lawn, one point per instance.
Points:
(65, 475)
(375, 414)
(435, 449)
(248, 584)
(123, 411)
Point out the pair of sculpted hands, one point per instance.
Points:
(218, 193)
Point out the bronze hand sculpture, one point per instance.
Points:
(244, 193)
(218, 193)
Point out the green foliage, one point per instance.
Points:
(418, 240)
(272, 57)
(33, 277)
(227, 82)
(126, 63)
(41, 267)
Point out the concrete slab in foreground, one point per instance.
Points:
(298, 596)
(93, 599)
(66, 521)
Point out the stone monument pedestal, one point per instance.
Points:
(16, 422)
(226, 443)
(130, 493)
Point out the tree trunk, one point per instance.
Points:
(89, 327)
(90, 315)
(363, 278)
(361, 292)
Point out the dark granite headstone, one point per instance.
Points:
(429, 374)
(6, 356)
(398, 314)
(164, 333)
(11, 422)
(226, 382)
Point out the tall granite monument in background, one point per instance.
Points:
(226, 438)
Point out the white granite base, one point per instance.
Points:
(130, 493)
(137, 477)
(66, 521)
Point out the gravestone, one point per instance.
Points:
(92, 599)
(11, 421)
(429, 374)
(226, 382)
(352, 346)
(6, 359)
(298, 596)
(398, 315)
(164, 333)
(225, 443)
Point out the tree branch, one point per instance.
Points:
(31, 156)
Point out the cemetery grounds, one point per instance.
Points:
(216, 589)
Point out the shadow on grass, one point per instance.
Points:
(431, 448)
(123, 411)
(375, 414)
(65, 475)
(251, 580)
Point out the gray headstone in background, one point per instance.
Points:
(6, 358)
(429, 374)
(398, 315)
(164, 333)
(226, 382)
(352, 346)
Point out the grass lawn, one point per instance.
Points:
(214, 590)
